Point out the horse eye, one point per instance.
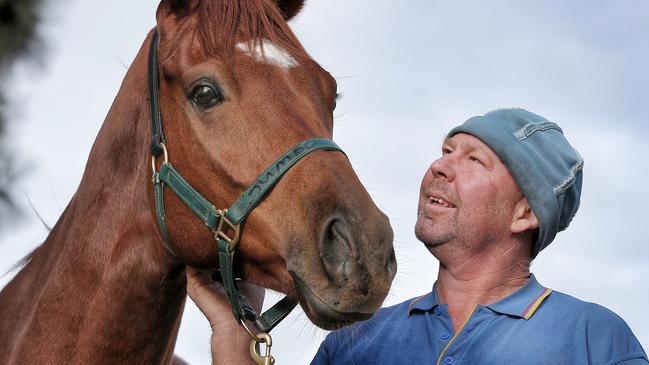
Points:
(205, 96)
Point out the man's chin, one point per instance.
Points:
(436, 247)
(430, 238)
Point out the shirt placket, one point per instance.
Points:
(438, 332)
(454, 345)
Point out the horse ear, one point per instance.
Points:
(179, 8)
(169, 13)
(289, 8)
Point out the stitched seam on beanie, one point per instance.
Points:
(531, 128)
(570, 180)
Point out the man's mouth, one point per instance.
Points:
(440, 201)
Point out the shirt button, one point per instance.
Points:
(444, 336)
(448, 359)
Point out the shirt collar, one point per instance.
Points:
(425, 302)
(522, 303)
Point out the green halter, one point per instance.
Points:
(225, 224)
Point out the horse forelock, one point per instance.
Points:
(219, 26)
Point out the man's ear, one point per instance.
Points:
(524, 218)
(289, 8)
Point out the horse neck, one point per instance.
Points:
(102, 288)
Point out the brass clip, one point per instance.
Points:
(266, 359)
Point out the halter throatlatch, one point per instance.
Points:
(225, 224)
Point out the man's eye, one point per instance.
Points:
(475, 159)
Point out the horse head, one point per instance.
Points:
(238, 90)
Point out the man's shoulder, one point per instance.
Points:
(572, 308)
(603, 330)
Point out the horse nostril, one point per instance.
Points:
(336, 252)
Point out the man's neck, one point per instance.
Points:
(479, 279)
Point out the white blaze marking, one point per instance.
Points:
(272, 54)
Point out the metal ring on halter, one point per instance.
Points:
(164, 153)
(252, 335)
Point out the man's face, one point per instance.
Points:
(467, 198)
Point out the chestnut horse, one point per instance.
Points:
(237, 90)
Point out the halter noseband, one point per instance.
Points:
(226, 223)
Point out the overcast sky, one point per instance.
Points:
(408, 71)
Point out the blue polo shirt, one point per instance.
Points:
(534, 325)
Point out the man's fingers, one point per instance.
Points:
(211, 299)
(208, 295)
(196, 280)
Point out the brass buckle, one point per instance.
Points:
(219, 233)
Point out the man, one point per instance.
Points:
(505, 184)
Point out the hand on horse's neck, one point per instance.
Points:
(478, 280)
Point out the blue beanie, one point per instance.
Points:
(544, 165)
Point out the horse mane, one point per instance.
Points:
(20, 264)
(27, 258)
(219, 25)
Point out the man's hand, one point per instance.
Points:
(230, 342)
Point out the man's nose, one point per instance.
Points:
(441, 168)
